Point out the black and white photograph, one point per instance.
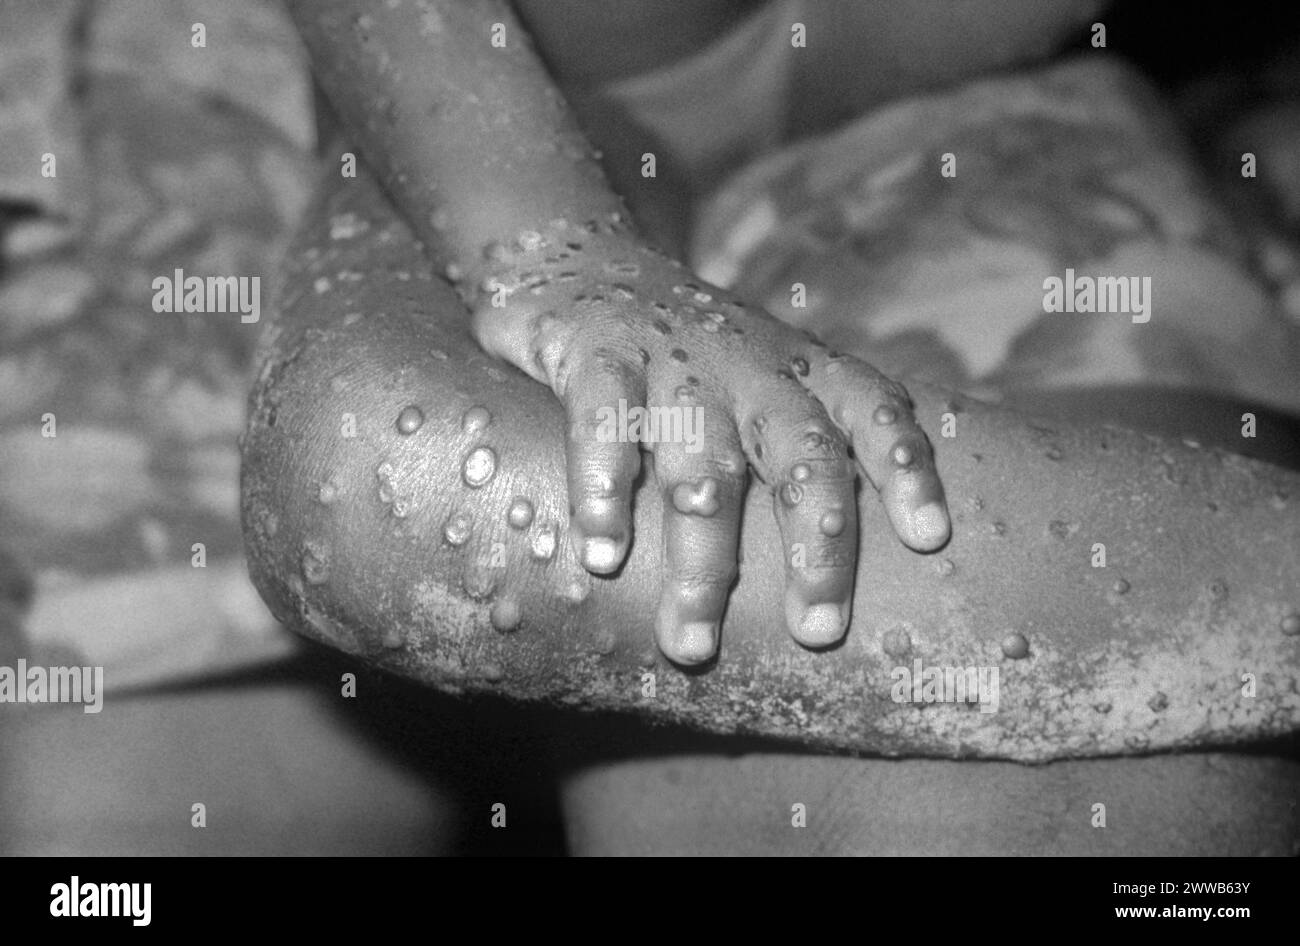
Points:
(652, 428)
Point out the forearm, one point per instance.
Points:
(1145, 653)
(471, 140)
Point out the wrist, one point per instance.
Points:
(563, 258)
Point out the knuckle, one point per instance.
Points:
(895, 393)
(705, 575)
(819, 441)
(599, 483)
(727, 468)
(607, 368)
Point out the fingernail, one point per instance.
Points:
(695, 642)
(822, 624)
(600, 554)
(930, 524)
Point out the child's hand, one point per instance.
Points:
(611, 325)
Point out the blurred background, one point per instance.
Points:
(168, 157)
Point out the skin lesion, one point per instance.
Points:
(519, 216)
(461, 593)
(657, 326)
(434, 572)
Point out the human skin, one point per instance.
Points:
(471, 140)
(437, 549)
(706, 800)
(1158, 804)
